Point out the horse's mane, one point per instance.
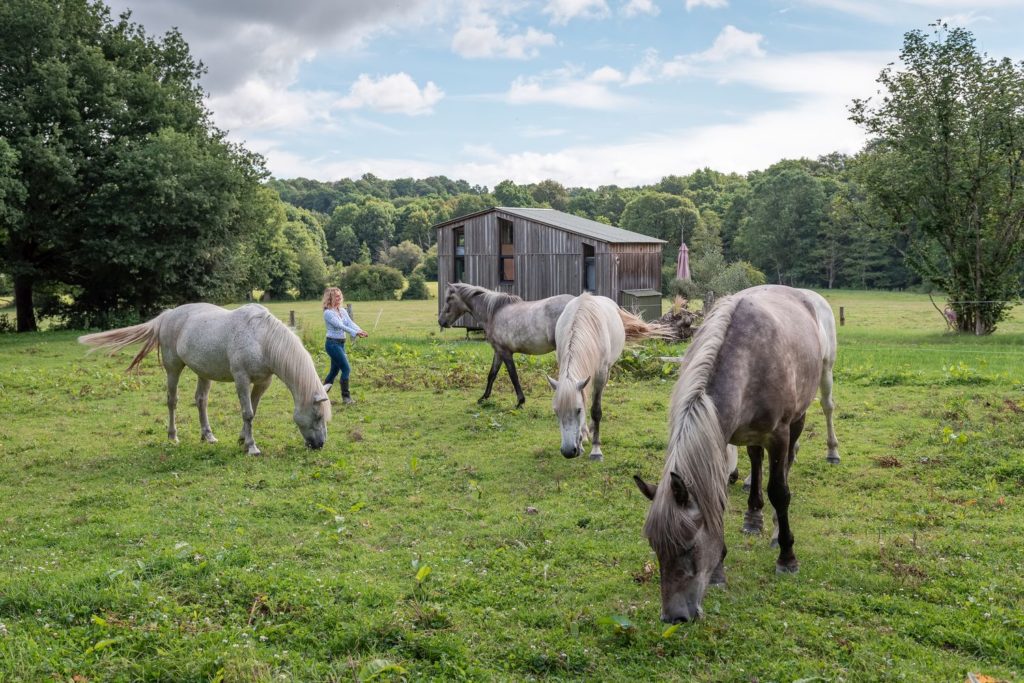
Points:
(290, 360)
(696, 447)
(580, 354)
(492, 301)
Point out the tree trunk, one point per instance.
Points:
(23, 303)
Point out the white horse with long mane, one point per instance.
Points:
(589, 337)
(247, 346)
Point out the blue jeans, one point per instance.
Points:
(339, 361)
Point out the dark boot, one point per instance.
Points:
(346, 397)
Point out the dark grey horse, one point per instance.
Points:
(748, 379)
(510, 324)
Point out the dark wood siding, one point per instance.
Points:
(548, 260)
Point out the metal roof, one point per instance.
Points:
(569, 223)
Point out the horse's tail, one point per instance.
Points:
(637, 329)
(148, 333)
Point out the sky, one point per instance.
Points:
(585, 92)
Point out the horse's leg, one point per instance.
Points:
(173, 375)
(795, 429)
(258, 389)
(779, 453)
(242, 386)
(718, 576)
(202, 400)
(491, 376)
(510, 365)
(753, 518)
(595, 414)
(828, 406)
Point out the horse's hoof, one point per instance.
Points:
(774, 543)
(788, 568)
(254, 451)
(597, 456)
(520, 403)
(734, 476)
(752, 530)
(832, 459)
(210, 438)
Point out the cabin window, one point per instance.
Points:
(589, 269)
(507, 251)
(459, 235)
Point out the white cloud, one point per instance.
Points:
(581, 94)
(256, 105)
(730, 45)
(732, 42)
(713, 4)
(567, 88)
(635, 8)
(606, 74)
(397, 94)
(533, 132)
(965, 18)
(564, 11)
(478, 36)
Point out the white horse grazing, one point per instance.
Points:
(247, 346)
(589, 338)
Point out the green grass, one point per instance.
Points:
(126, 558)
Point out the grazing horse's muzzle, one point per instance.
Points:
(442, 322)
(314, 444)
(682, 617)
(573, 452)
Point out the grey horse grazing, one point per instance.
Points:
(748, 379)
(510, 324)
(247, 346)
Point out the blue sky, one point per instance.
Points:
(587, 92)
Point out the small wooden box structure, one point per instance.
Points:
(645, 303)
(537, 253)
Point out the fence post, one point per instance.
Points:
(348, 308)
(291, 319)
(709, 301)
(842, 316)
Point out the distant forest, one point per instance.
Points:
(800, 222)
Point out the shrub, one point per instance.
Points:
(711, 273)
(417, 288)
(370, 282)
(405, 257)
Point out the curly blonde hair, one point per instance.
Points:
(333, 298)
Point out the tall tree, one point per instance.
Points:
(947, 164)
(785, 214)
(132, 199)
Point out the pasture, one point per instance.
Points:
(434, 538)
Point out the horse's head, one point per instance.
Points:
(570, 408)
(311, 418)
(456, 304)
(689, 555)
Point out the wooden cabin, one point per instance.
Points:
(537, 253)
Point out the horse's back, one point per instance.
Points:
(770, 358)
(208, 338)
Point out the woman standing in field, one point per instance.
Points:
(339, 323)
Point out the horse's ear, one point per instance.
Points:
(552, 382)
(679, 492)
(647, 489)
(581, 385)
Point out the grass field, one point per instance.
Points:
(404, 549)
